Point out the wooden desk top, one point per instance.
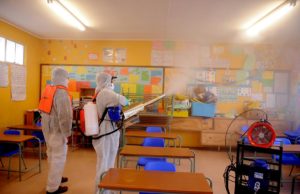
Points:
(146, 134)
(293, 148)
(171, 152)
(15, 138)
(150, 124)
(26, 127)
(155, 181)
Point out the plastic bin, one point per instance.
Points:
(203, 109)
(179, 113)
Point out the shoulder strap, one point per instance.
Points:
(95, 96)
(65, 88)
(113, 131)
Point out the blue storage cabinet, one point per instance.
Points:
(203, 109)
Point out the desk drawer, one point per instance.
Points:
(213, 139)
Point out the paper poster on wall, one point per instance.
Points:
(257, 96)
(156, 58)
(18, 82)
(108, 55)
(281, 101)
(227, 94)
(93, 56)
(281, 82)
(205, 77)
(242, 78)
(168, 58)
(244, 91)
(270, 101)
(121, 55)
(3, 75)
(249, 62)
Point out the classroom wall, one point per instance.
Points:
(138, 53)
(12, 112)
(77, 52)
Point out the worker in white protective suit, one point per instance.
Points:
(56, 128)
(107, 146)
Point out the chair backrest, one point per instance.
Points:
(12, 132)
(154, 142)
(279, 141)
(38, 134)
(154, 129)
(245, 139)
(160, 166)
(244, 128)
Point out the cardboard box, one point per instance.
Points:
(203, 109)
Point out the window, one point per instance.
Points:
(19, 54)
(11, 51)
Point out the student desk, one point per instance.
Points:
(292, 148)
(26, 127)
(155, 181)
(143, 134)
(169, 152)
(19, 139)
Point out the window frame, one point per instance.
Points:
(14, 61)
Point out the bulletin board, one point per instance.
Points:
(233, 87)
(131, 79)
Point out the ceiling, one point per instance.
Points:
(206, 21)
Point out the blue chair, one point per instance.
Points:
(159, 166)
(244, 128)
(287, 158)
(9, 150)
(293, 135)
(151, 142)
(152, 129)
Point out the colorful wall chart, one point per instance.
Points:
(131, 80)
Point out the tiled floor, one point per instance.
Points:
(80, 169)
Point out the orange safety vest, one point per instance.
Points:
(47, 98)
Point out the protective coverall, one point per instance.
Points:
(56, 128)
(106, 147)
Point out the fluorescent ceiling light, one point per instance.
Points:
(64, 12)
(271, 17)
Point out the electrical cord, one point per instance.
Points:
(232, 165)
(228, 128)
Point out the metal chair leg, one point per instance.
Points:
(9, 163)
(291, 170)
(293, 183)
(22, 157)
(1, 162)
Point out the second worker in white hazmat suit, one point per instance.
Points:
(106, 147)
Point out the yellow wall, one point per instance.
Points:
(12, 112)
(76, 52)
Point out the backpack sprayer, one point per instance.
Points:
(254, 175)
(89, 117)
